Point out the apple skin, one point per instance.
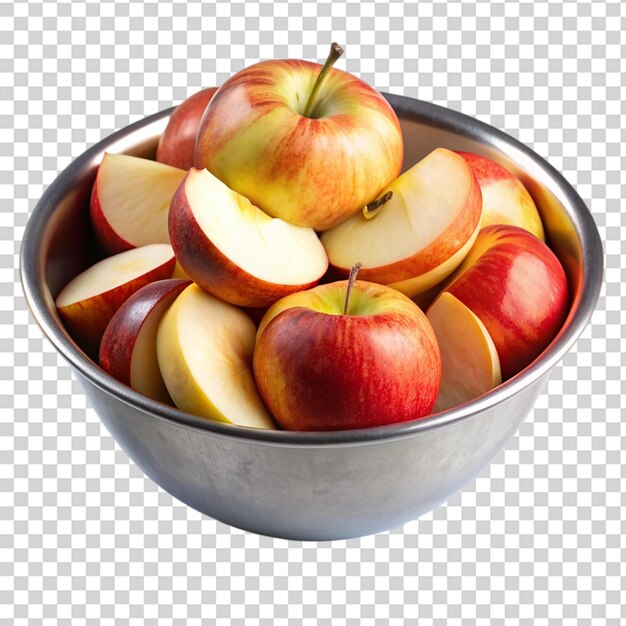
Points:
(310, 172)
(320, 370)
(517, 287)
(505, 199)
(210, 268)
(122, 332)
(86, 320)
(177, 143)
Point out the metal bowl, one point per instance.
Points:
(313, 486)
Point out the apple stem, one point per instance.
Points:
(335, 52)
(351, 280)
(370, 210)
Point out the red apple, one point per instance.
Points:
(128, 346)
(177, 143)
(505, 199)
(234, 250)
(310, 145)
(321, 368)
(130, 201)
(517, 287)
(87, 303)
(204, 349)
(420, 234)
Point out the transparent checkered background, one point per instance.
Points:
(537, 539)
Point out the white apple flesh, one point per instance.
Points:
(470, 365)
(234, 250)
(130, 201)
(418, 236)
(204, 350)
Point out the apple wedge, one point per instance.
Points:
(470, 365)
(130, 201)
(418, 232)
(234, 250)
(128, 346)
(87, 303)
(204, 350)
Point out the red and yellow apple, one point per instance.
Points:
(505, 199)
(128, 346)
(516, 286)
(309, 146)
(178, 141)
(204, 350)
(420, 234)
(321, 367)
(130, 201)
(234, 250)
(87, 303)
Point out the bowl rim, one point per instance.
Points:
(583, 302)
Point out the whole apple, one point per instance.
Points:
(177, 143)
(320, 365)
(518, 289)
(310, 145)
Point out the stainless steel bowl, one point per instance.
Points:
(317, 486)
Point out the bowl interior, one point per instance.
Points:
(59, 243)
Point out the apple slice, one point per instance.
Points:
(234, 250)
(470, 365)
(204, 349)
(419, 233)
(87, 303)
(128, 347)
(505, 199)
(130, 201)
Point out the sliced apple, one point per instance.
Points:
(128, 347)
(130, 201)
(204, 349)
(87, 303)
(470, 365)
(234, 250)
(420, 234)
